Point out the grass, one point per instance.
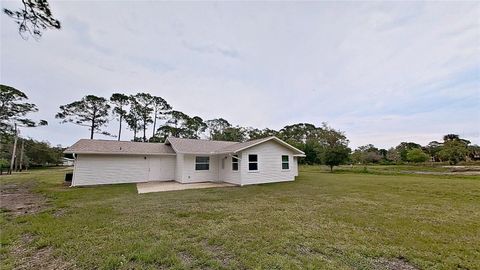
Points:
(381, 169)
(321, 221)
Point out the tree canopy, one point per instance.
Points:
(335, 146)
(416, 155)
(91, 111)
(120, 102)
(161, 109)
(453, 151)
(321, 144)
(14, 110)
(34, 17)
(144, 109)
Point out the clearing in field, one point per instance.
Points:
(321, 221)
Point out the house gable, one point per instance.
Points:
(239, 147)
(269, 163)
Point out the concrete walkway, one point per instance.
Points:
(172, 185)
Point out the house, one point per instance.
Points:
(259, 161)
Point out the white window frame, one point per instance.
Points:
(252, 162)
(235, 160)
(286, 162)
(202, 163)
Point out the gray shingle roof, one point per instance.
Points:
(85, 146)
(193, 146)
(172, 145)
(244, 145)
(237, 146)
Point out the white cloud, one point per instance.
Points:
(354, 65)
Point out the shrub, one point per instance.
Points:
(416, 155)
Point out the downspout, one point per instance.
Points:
(74, 167)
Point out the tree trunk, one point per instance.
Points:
(14, 150)
(21, 154)
(331, 168)
(93, 123)
(154, 123)
(92, 129)
(17, 163)
(120, 128)
(1, 145)
(144, 131)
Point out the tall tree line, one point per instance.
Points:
(143, 111)
(14, 116)
(453, 150)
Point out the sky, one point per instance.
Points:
(381, 72)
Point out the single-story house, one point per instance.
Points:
(264, 160)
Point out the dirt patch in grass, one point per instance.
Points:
(394, 264)
(443, 173)
(18, 199)
(186, 258)
(219, 253)
(463, 168)
(27, 257)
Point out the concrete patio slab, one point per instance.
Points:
(148, 187)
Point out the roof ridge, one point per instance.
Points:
(205, 140)
(117, 147)
(248, 144)
(116, 141)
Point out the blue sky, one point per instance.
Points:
(381, 72)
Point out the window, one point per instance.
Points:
(235, 163)
(285, 164)
(202, 163)
(253, 162)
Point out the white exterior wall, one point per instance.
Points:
(114, 169)
(179, 167)
(161, 168)
(190, 175)
(294, 165)
(226, 174)
(111, 169)
(269, 164)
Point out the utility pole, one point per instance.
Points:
(21, 154)
(14, 151)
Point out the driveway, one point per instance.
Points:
(148, 187)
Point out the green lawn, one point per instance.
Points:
(321, 221)
(383, 169)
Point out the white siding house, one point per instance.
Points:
(259, 161)
(269, 164)
(191, 175)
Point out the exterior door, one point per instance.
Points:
(154, 168)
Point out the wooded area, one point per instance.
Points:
(143, 112)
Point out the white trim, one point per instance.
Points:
(248, 163)
(288, 162)
(195, 163)
(238, 163)
(268, 139)
(237, 158)
(116, 153)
